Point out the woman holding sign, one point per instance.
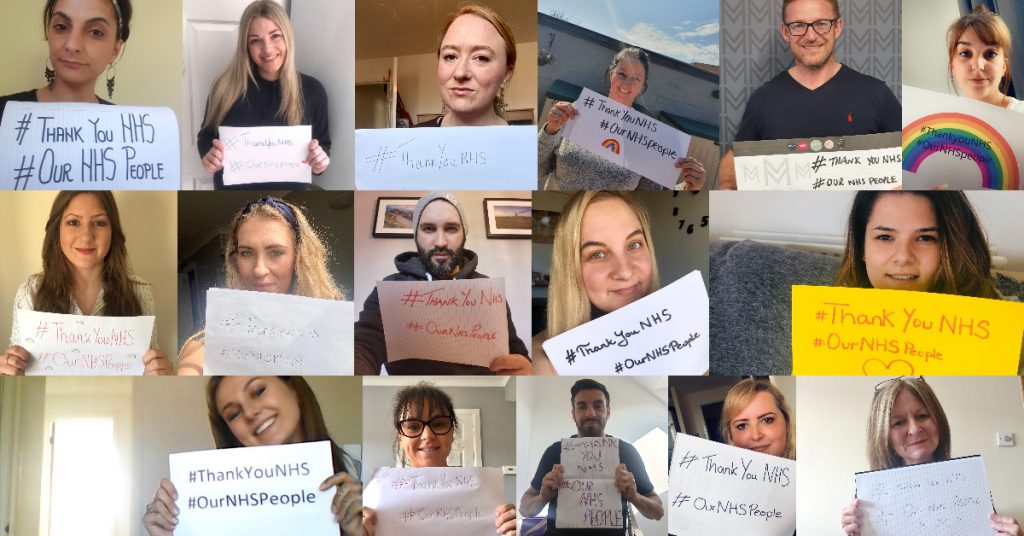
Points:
(979, 46)
(271, 248)
(261, 87)
(85, 39)
(85, 272)
(247, 411)
(755, 416)
(425, 428)
(568, 166)
(908, 426)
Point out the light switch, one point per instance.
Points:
(1004, 439)
(508, 469)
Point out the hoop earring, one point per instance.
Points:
(49, 73)
(110, 80)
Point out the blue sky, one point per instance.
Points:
(686, 30)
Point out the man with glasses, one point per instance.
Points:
(817, 96)
(439, 231)
(591, 407)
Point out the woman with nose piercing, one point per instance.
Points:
(567, 166)
(85, 38)
(271, 247)
(262, 87)
(755, 416)
(247, 411)
(425, 428)
(979, 46)
(85, 272)
(907, 426)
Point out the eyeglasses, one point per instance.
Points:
(882, 383)
(414, 427)
(622, 77)
(821, 27)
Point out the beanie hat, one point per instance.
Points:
(429, 198)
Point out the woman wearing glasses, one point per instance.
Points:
(907, 426)
(425, 426)
(979, 46)
(567, 166)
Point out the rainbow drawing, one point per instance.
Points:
(968, 136)
(612, 145)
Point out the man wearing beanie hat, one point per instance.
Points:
(439, 230)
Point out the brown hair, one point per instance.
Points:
(833, 3)
(880, 453)
(635, 54)
(965, 264)
(122, 13)
(54, 292)
(503, 29)
(425, 397)
(992, 31)
(740, 396)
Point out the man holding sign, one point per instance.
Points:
(440, 233)
(591, 407)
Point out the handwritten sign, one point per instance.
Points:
(68, 345)
(867, 162)
(853, 331)
(454, 158)
(254, 490)
(266, 154)
(961, 142)
(941, 498)
(75, 146)
(264, 333)
(588, 497)
(626, 137)
(721, 489)
(665, 332)
(435, 501)
(458, 321)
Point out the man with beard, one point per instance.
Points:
(816, 97)
(440, 232)
(591, 407)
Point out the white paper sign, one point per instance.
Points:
(75, 146)
(254, 490)
(665, 332)
(68, 345)
(453, 158)
(457, 321)
(626, 137)
(435, 501)
(950, 498)
(266, 154)
(588, 497)
(960, 142)
(721, 489)
(867, 162)
(265, 333)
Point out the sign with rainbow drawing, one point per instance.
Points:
(959, 142)
(626, 137)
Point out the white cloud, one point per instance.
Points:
(703, 30)
(653, 38)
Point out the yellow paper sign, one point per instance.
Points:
(856, 331)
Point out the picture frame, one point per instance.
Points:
(392, 217)
(508, 217)
(544, 223)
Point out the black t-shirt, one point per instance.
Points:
(627, 455)
(849, 104)
(28, 96)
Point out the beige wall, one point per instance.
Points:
(150, 222)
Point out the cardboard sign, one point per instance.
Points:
(626, 137)
(665, 332)
(254, 490)
(72, 345)
(75, 146)
(867, 162)
(721, 489)
(856, 331)
(949, 498)
(266, 154)
(457, 321)
(961, 142)
(264, 333)
(588, 497)
(435, 501)
(455, 158)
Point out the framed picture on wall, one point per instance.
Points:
(393, 217)
(544, 222)
(508, 218)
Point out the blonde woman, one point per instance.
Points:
(755, 416)
(261, 87)
(271, 248)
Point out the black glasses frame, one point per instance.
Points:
(428, 424)
(809, 26)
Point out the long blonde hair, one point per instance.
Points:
(232, 85)
(568, 304)
(880, 452)
(742, 394)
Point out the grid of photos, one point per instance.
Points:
(401, 239)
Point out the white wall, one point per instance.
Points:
(925, 57)
(832, 447)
